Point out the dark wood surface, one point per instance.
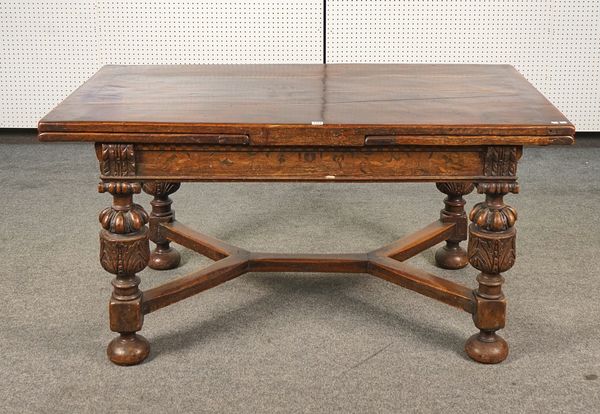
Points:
(279, 104)
(461, 126)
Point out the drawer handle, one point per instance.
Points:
(233, 140)
(380, 140)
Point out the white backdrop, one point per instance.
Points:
(48, 48)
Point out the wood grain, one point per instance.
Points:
(196, 282)
(276, 104)
(298, 164)
(336, 263)
(408, 246)
(422, 282)
(208, 246)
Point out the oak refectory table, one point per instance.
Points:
(459, 126)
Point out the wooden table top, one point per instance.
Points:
(396, 99)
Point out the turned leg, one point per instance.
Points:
(492, 251)
(124, 251)
(452, 255)
(163, 257)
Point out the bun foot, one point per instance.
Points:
(164, 258)
(451, 256)
(128, 349)
(487, 348)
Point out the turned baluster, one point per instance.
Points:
(452, 255)
(163, 257)
(491, 250)
(124, 251)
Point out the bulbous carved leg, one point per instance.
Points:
(163, 257)
(492, 251)
(452, 255)
(124, 251)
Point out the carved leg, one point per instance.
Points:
(124, 251)
(492, 251)
(163, 257)
(452, 255)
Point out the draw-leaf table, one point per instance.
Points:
(459, 126)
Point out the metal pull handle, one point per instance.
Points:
(233, 139)
(374, 140)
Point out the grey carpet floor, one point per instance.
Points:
(295, 342)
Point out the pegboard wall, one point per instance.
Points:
(48, 48)
(555, 44)
(225, 31)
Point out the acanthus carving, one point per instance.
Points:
(123, 221)
(124, 255)
(455, 187)
(492, 253)
(493, 218)
(117, 160)
(160, 189)
(501, 161)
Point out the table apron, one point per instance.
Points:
(240, 163)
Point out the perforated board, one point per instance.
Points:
(574, 65)
(217, 31)
(554, 43)
(49, 47)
